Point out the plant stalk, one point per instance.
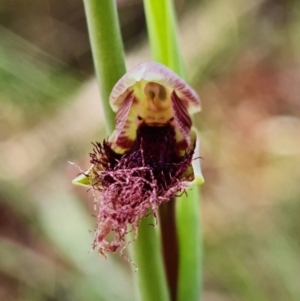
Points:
(107, 50)
(190, 246)
(108, 55)
(162, 31)
(150, 277)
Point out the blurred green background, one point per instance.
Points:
(243, 58)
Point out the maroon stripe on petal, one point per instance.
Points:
(124, 142)
(123, 113)
(181, 116)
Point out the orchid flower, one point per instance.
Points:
(152, 156)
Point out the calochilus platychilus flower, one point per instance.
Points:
(152, 156)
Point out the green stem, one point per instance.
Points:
(150, 276)
(161, 23)
(190, 246)
(107, 49)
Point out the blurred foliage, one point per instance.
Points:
(31, 79)
(244, 61)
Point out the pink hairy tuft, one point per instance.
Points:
(134, 185)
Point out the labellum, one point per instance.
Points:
(152, 156)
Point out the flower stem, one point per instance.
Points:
(190, 247)
(169, 244)
(109, 63)
(150, 276)
(107, 50)
(161, 23)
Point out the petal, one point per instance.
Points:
(181, 117)
(198, 177)
(82, 180)
(157, 73)
(125, 132)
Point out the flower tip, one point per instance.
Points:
(199, 180)
(82, 180)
